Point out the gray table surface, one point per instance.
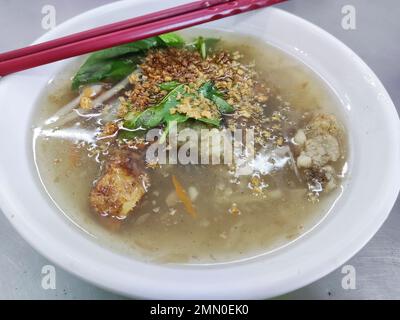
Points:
(375, 39)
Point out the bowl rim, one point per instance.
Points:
(258, 291)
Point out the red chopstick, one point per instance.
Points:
(130, 34)
(155, 16)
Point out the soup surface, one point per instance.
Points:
(285, 172)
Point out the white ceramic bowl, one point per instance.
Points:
(371, 188)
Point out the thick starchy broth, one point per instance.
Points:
(293, 186)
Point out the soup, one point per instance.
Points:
(187, 149)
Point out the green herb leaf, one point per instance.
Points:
(223, 106)
(201, 46)
(205, 45)
(114, 64)
(176, 117)
(172, 39)
(153, 116)
(112, 70)
(118, 51)
(170, 119)
(160, 114)
(171, 99)
(168, 86)
(210, 92)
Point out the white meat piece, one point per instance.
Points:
(319, 142)
(319, 151)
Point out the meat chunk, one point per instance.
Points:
(120, 188)
(319, 142)
(300, 137)
(323, 124)
(317, 147)
(319, 151)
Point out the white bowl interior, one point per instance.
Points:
(371, 188)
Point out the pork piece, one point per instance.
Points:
(318, 142)
(319, 151)
(317, 147)
(120, 188)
